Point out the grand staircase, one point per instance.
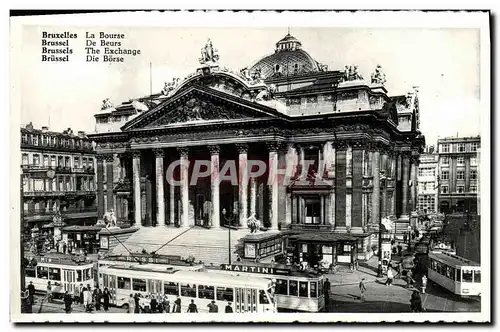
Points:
(206, 245)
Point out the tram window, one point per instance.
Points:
(459, 275)
(55, 274)
(139, 285)
(123, 283)
(154, 286)
(171, 288)
(466, 275)
(263, 298)
(206, 292)
(433, 265)
(29, 272)
(224, 294)
(314, 289)
(477, 275)
(42, 272)
(281, 286)
(188, 290)
(447, 272)
(294, 289)
(78, 275)
(88, 274)
(303, 289)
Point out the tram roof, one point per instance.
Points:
(59, 259)
(452, 260)
(194, 277)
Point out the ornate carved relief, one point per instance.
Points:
(159, 153)
(214, 149)
(183, 151)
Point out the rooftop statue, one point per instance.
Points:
(170, 86)
(209, 53)
(351, 73)
(378, 76)
(106, 104)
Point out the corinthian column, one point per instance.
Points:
(273, 186)
(100, 186)
(243, 183)
(160, 197)
(404, 196)
(376, 186)
(214, 178)
(136, 169)
(184, 171)
(109, 182)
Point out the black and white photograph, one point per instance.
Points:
(250, 167)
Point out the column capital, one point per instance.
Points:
(272, 146)
(183, 151)
(136, 154)
(100, 157)
(242, 147)
(340, 145)
(359, 144)
(109, 157)
(214, 149)
(159, 153)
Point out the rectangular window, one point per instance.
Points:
(225, 294)
(24, 138)
(473, 175)
(206, 292)
(303, 291)
(445, 148)
(461, 147)
(444, 189)
(53, 161)
(171, 288)
(35, 140)
(313, 289)
(461, 161)
(460, 189)
(445, 160)
(313, 207)
(473, 189)
(281, 287)
(466, 275)
(42, 272)
(77, 161)
(124, 283)
(154, 286)
(460, 175)
(474, 146)
(445, 175)
(78, 275)
(25, 159)
(139, 285)
(55, 274)
(36, 159)
(294, 288)
(188, 290)
(46, 161)
(29, 272)
(477, 276)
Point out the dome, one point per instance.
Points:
(288, 59)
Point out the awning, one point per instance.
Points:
(323, 237)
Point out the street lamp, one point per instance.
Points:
(229, 222)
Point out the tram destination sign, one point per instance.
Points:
(255, 269)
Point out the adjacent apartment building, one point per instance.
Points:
(428, 188)
(458, 174)
(58, 174)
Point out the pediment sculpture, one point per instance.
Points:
(170, 86)
(378, 76)
(106, 104)
(209, 54)
(351, 73)
(268, 93)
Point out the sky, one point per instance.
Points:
(443, 63)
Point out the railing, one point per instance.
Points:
(42, 193)
(59, 169)
(56, 146)
(39, 212)
(311, 227)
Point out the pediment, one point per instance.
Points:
(197, 106)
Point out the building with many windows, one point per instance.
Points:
(427, 182)
(352, 150)
(459, 174)
(58, 174)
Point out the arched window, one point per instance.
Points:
(296, 68)
(277, 68)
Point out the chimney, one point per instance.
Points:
(45, 129)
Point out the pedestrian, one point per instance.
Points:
(98, 297)
(131, 304)
(67, 302)
(212, 307)
(362, 289)
(400, 249)
(424, 283)
(229, 308)
(409, 279)
(64, 247)
(192, 307)
(326, 290)
(153, 303)
(416, 302)
(49, 292)
(177, 305)
(105, 298)
(166, 305)
(405, 237)
(31, 292)
(87, 299)
(137, 306)
(82, 290)
(76, 294)
(390, 276)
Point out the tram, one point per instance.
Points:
(294, 290)
(64, 274)
(454, 273)
(246, 294)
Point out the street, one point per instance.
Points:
(57, 306)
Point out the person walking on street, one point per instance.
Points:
(49, 292)
(424, 283)
(87, 299)
(137, 307)
(390, 276)
(131, 304)
(212, 307)
(362, 289)
(166, 305)
(153, 303)
(31, 292)
(177, 305)
(400, 249)
(105, 298)
(192, 307)
(416, 302)
(98, 297)
(326, 290)
(229, 308)
(67, 302)
(409, 279)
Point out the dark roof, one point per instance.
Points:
(286, 59)
(323, 237)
